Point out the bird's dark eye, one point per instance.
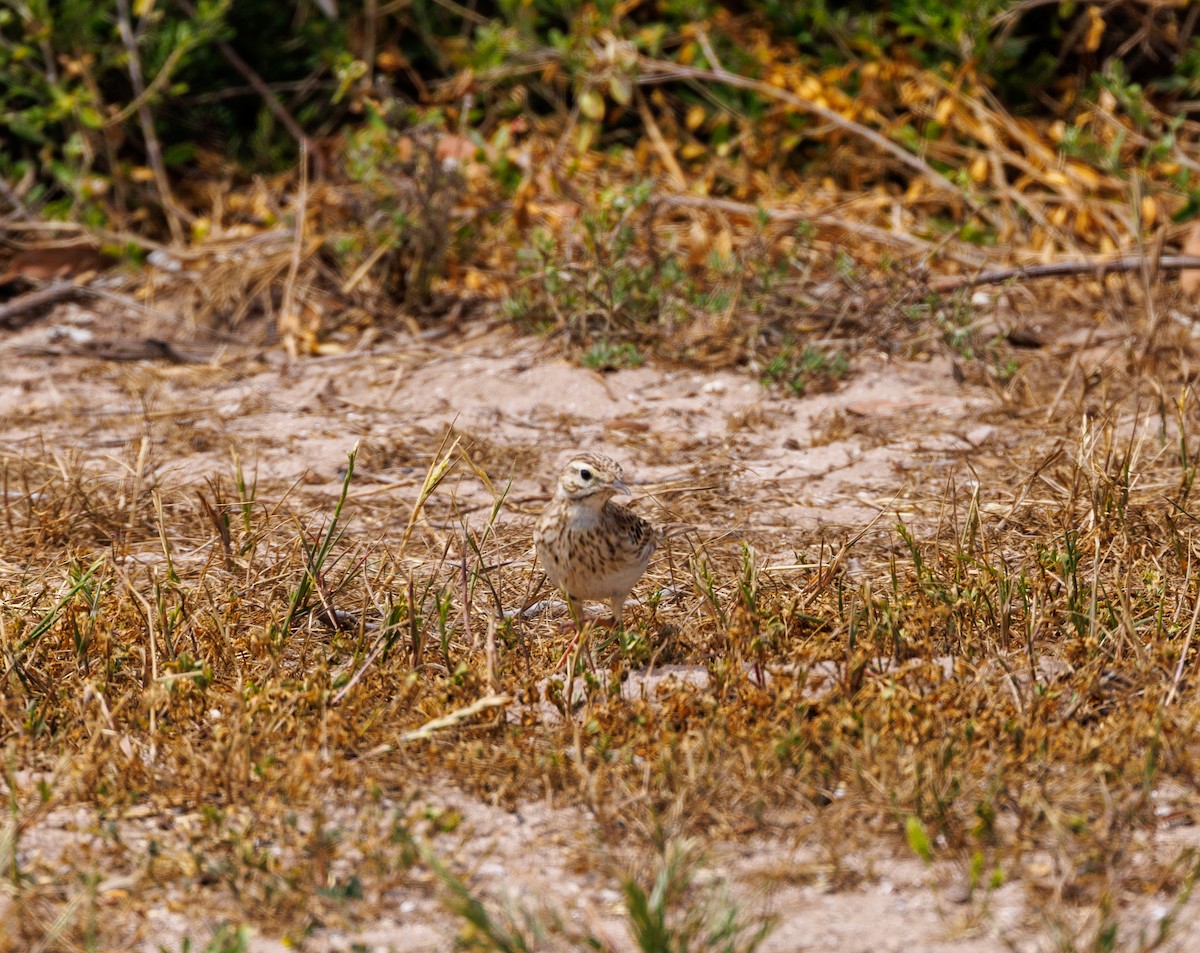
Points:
(585, 473)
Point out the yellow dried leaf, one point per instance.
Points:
(810, 87)
(587, 132)
(390, 60)
(692, 150)
(591, 104)
(695, 117)
(1083, 223)
(980, 167)
(1059, 215)
(1056, 178)
(1095, 31)
(1088, 177)
(141, 173)
(620, 88)
(1149, 211)
(945, 109)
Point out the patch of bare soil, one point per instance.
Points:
(548, 869)
(788, 474)
(757, 461)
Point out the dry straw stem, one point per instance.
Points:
(678, 179)
(455, 718)
(443, 460)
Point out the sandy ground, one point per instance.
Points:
(526, 865)
(827, 459)
(786, 470)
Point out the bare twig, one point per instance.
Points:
(159, 81)
(146, 121)
(493, 665)
(456, 717)
(783, 215)
(278, 110)
(380, 644)
(1063, 268)
(10, 196)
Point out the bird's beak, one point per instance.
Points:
(620, 487)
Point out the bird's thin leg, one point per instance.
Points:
(618, 608)
(575, 622)
(576, 610)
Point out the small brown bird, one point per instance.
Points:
(590, 547)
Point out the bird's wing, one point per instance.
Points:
(637, 537)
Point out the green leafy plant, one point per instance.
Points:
(669, 918)
(603, 356)
(802, 370)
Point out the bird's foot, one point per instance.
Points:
(572, 648)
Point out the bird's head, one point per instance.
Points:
(591, 476)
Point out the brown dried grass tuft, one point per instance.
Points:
(1013, 665)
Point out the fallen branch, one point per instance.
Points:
(1061, 269)
(51, 294)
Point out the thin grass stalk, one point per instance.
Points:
(316, 559)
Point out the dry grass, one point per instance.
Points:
(253, 698)
(1006, 678)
